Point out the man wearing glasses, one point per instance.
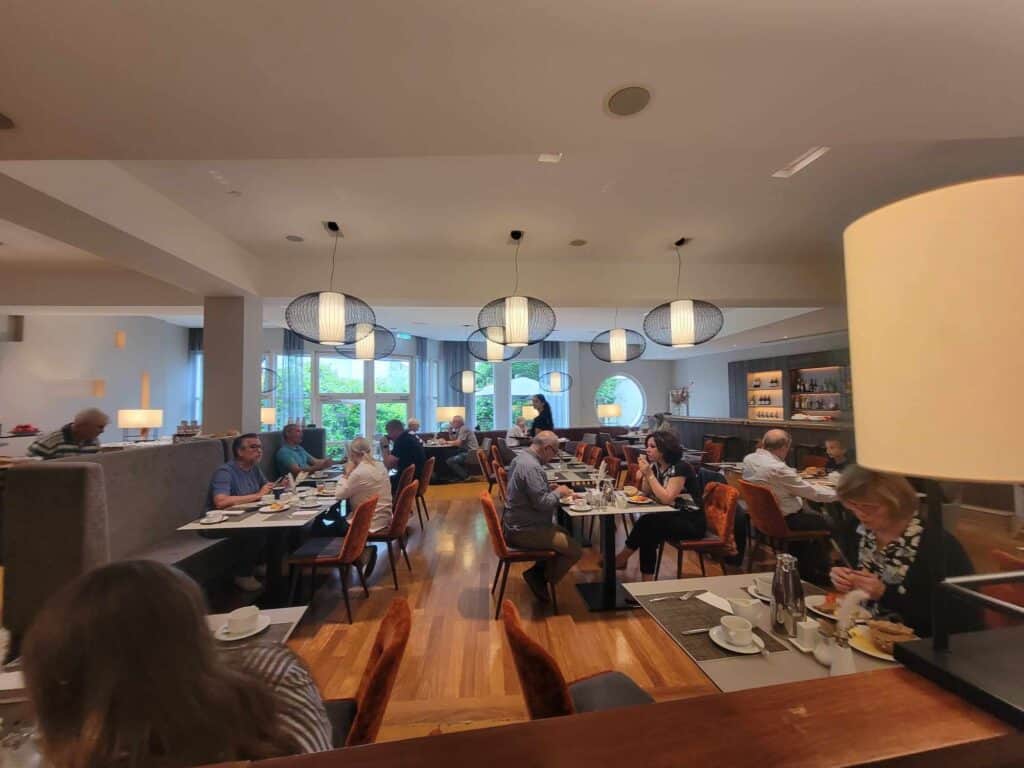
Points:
(240, 481)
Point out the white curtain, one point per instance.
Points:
(553, 358)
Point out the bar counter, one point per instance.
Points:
(741, 434)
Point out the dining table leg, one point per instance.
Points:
(275, 592)
(607, 594)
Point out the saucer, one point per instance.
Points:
(752, 591)
(581, 507)
(719, 638)
(213, 518)
(261, 624)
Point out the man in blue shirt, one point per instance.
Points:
(292, 457)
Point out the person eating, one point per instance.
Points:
(81, 436)
(837, 455)
(293, 458)
(406, 449)
(365, 477)
(518, 431)
(465, 440)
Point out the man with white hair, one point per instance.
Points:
(466, 441)
(78, 437)
(530, 508)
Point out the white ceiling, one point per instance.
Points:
(20, 245)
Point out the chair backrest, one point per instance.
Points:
(498, 542)
(581, 450)
(1011, 593)
(501, 475)
(613, 469)
(594, 456)
(380, 674)
(632, 476)
(403, 510)
(590, 438)
(485, 463)
(486, 444)
(811, 460)
(713, 452)
(425, 475)
(763, 509)
(358, 530)
(505, 454)
(543, 684)
(403, 480)
(720, 511)
(630, 454)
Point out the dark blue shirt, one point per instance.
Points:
(232, 480)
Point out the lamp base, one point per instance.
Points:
(982, 667)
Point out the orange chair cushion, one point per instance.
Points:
(543, 685)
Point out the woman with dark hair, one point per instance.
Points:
(665, 477)
(122, 669)
(542, 421)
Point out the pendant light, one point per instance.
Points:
(618, 345)
(463, 381)
(556, 382)
(373, 342)
(522, 320)
(483, 348)
(684, 322)
(325, 317)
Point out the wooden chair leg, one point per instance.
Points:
(426, 509)
(344, 591)
(401, 543)
(679, 563)
(700, 555)
(657, 563)
(501, 593)
(391, 559)
(497, 573)
(362, 579)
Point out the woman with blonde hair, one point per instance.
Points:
(365, 477)
(122, 669)
(896, 557)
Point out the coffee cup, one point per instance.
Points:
(242, 620)
(277, 493)
(807, 633)
(739, 631)
(763, 583)
(745, 607)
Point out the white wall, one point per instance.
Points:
(709, 374)
(48, 377)
(655, 378)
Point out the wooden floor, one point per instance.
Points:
(457, 672)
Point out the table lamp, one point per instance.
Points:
(445, 413)
(529, 412)
(935, 320)
(268, 416)
(608, 411)
(142, 419)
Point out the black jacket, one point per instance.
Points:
(542, 422)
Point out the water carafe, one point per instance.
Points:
(787, 606)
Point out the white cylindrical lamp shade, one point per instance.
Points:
(467, 382)
(617, 346)
(609, 411)
(366, 347)
(495, 351)
(268, 416)
(517, 321)
(331, 318)
(445, 413)
(555, 383)
(140, 418)
(682, 322)
(529, 412)
(935, 318)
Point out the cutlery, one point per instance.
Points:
(695, 631)
(684, 596)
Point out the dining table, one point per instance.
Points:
(283, 622)
(782, 662)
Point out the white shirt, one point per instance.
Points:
(788, 487)
(516, 432)
(368, 479)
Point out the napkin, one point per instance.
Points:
(718, 602)
(11, 681)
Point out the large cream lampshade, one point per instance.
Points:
(933, 286)
(529, 412)
(609, 411)
(445, 413)
(268, 416)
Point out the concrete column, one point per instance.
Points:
(232, 352)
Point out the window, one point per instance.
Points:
(627, 394)
(292, 397)
(483, 400)
(196, 380)
(525, 384)
(391, 377)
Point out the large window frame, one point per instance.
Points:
(624, 420)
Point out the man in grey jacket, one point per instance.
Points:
(529, 515)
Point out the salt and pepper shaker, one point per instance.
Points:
(787, 604)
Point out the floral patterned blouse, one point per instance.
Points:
(891, 562)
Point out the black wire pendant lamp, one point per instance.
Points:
(522, 320)
(483, 348)
(325, 317)
(463, 381)
(556, 382)
(618, 345)
(373, 342)
(683, 322)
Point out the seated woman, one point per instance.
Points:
(895, 556)
(365, 477)
(665, 477)
(122, 669)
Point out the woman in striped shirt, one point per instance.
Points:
(123, 670)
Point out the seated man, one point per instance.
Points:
(767, 466)
(466, 440)
(406, 449)
(414, 428)
(838, 459)
(241, 481)
(80, 436)
(530, 506)
(292, 458)
(518, 430)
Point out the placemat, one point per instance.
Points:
(676, 616)
(275, 634)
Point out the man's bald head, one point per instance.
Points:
(89, 424)
(545, 438)
(777, 441)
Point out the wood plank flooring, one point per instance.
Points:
(457, 672)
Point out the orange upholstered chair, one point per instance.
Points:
(502, 477)
(720, 510)
(357, 721)
(767, 524)
(713, 452)
(336, 553)
(1011, 593)
(399, 523)
(421, 501)
(485, 467)
(407, 476)
(581, 450)
(811, 460)
(594, 454)
(544, 687)
(631, 454)
(507, 555)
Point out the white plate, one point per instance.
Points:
(719, 638)
(813, 601)
(261, 624)
(305, 512)
(860, 639)
(270, 510)
(798, 646)
(752, 591)
(213, 518)
(581, 507)
(301, 492)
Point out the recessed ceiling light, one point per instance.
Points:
(800, 163)
(629, 100)
(577, 242)
(294, 238)
(549, 157)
